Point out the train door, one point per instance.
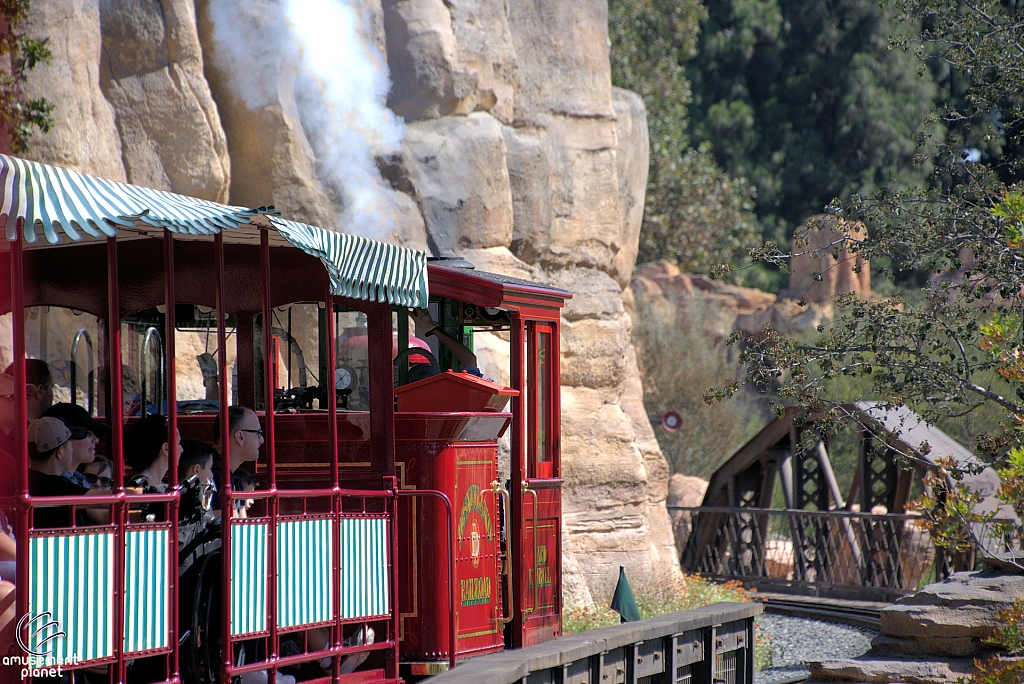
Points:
(539, 591)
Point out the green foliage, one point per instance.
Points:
(21, 116)
(804, 99)
(694, 215)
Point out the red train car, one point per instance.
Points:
(380, 511)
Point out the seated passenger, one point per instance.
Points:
(99, 474)
(50, 455)
(38, 395)
(84, 448)
(148, 453)
(196, 460)
(246, 483)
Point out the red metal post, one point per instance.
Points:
(21, 420)
(171, 387)
(114, 412)
(327, 383)
(226, 504)
(270, 364)
(452, 627)
(518, 474)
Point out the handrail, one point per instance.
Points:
(452, 635)
(536, 584)
(795, 512)
(501, 493)
(90, 373)
(151, 333)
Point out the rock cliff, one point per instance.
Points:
(517, 154)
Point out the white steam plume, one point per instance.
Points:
(340, 82)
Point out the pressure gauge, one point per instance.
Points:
(344, 377)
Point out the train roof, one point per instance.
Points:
(492, 289)
(61, 203)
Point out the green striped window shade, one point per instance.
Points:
(364, 567)
(59, 201)
(146, 590)
(248, 578)
(305, 557)
(71, 588)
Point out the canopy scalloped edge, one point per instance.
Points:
(58, 200)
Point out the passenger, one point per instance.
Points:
(99, 474)
(38, 394)
(147, 451)
(426, 326)
(196, 460)
(247, 483)
(78, 419)
(245, 435)
(50, 455)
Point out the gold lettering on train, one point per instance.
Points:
(475, 590)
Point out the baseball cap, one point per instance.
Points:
(77, 419)
(48, 433)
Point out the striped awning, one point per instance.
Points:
(55, 201)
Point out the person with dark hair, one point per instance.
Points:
(50, 454)
(196, 460)
(148, 452)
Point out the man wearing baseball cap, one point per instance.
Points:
(85, 435)
(50, 454)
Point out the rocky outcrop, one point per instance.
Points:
(824, 265)
(931, 637)
(152, 75)
(686, 491)
(518, 154)
(84, 136)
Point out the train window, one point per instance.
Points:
(540, 389)
(352, 360)
(196, 353)
(72, 344)
(296, 333)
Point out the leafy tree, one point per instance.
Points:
(695, 215)
(806, 100)
(18, 115)
(960, 346)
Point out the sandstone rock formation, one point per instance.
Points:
(518, 155)
(823, 266)
(931, 637)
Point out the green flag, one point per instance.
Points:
(623, 602)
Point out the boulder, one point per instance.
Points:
(449, 58)
(562, 54)
(687, 491)
(965, 605)
(84, 136)
(632, 154)
(578, 158)
(456, 170)
(865, 670)
(153, 77)
(271, 159)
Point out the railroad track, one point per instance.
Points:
(865, 614)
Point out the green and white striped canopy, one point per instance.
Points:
(56, 200)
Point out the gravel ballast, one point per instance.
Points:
(792, 641)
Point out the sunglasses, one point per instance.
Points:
(98, 481)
